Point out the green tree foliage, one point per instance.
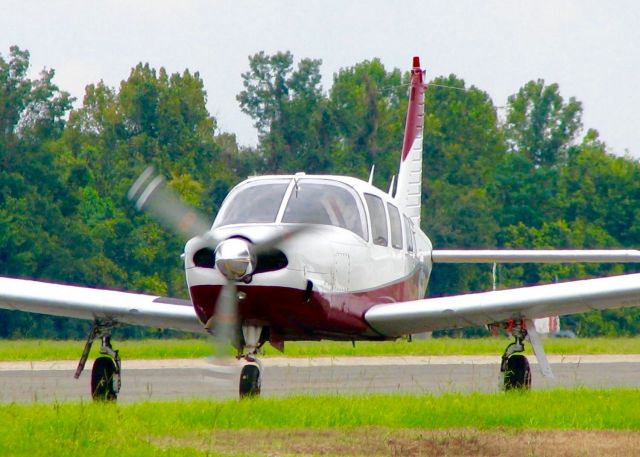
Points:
(65, 216)
(530, 181)
(33, 230)
(152, 118)
(540, 125)
(462, 144)
(288, 108)
(540, 132)
(364, 105)
(602, 189)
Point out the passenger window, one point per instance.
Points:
(379, 233)
(408, 234)
(396, 226)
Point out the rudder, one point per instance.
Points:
(409, 184)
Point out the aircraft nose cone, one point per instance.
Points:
(234, 258)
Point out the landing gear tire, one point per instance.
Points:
(250, 381)
(105, 375)
(103, 379)
(518, 373)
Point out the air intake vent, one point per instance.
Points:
(271, 261)
(205, 258)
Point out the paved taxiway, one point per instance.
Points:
(181, 379)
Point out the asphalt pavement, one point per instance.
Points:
(192, 378)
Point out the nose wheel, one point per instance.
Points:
(250, 376)
(250, 381)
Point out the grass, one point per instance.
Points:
(197, 427)
(13, 350)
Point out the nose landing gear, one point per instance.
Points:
(250, 376)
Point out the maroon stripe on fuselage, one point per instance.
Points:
(295, 316)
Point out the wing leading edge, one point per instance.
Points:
(396, 319)
(534, 256)
(87, 303)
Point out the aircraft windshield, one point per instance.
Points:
(327, 203)
(256, 202)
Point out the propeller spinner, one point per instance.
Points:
(234, 259)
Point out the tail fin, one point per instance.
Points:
(409, 187)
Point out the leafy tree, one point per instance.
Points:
(31, 119)
(602, 189)
(540, 132)
(462, 140)
(153, 118)
(462, 143)
(366, 103)
(287, 107)
(32, 241)
(524, 193)
(66, 215)
(540, 125)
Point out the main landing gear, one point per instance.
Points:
(250, 379)
(105, 374)
(516, 369)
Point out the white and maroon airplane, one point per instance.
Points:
(301, 257)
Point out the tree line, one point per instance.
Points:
(522, 176)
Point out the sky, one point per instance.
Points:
(590, 48)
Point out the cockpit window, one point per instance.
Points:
(315, 201)
(255, 202)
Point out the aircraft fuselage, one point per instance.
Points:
(331, 273)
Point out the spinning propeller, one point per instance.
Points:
(236, 258)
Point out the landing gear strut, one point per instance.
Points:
(517, 373)
(250, 379)
(105, 374)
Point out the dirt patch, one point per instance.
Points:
(371, 441)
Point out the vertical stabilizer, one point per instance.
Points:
(409, 180)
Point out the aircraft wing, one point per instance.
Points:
(534, 256)
(88, 303)
(396, 319)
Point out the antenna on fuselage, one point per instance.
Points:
(392, 185)
(373, 168)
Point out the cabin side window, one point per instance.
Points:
(396, 226)
(408, 234)
(379, 233)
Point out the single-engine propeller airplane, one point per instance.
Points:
(302, 257)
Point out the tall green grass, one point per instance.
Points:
(197, 348)
(136, 429)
